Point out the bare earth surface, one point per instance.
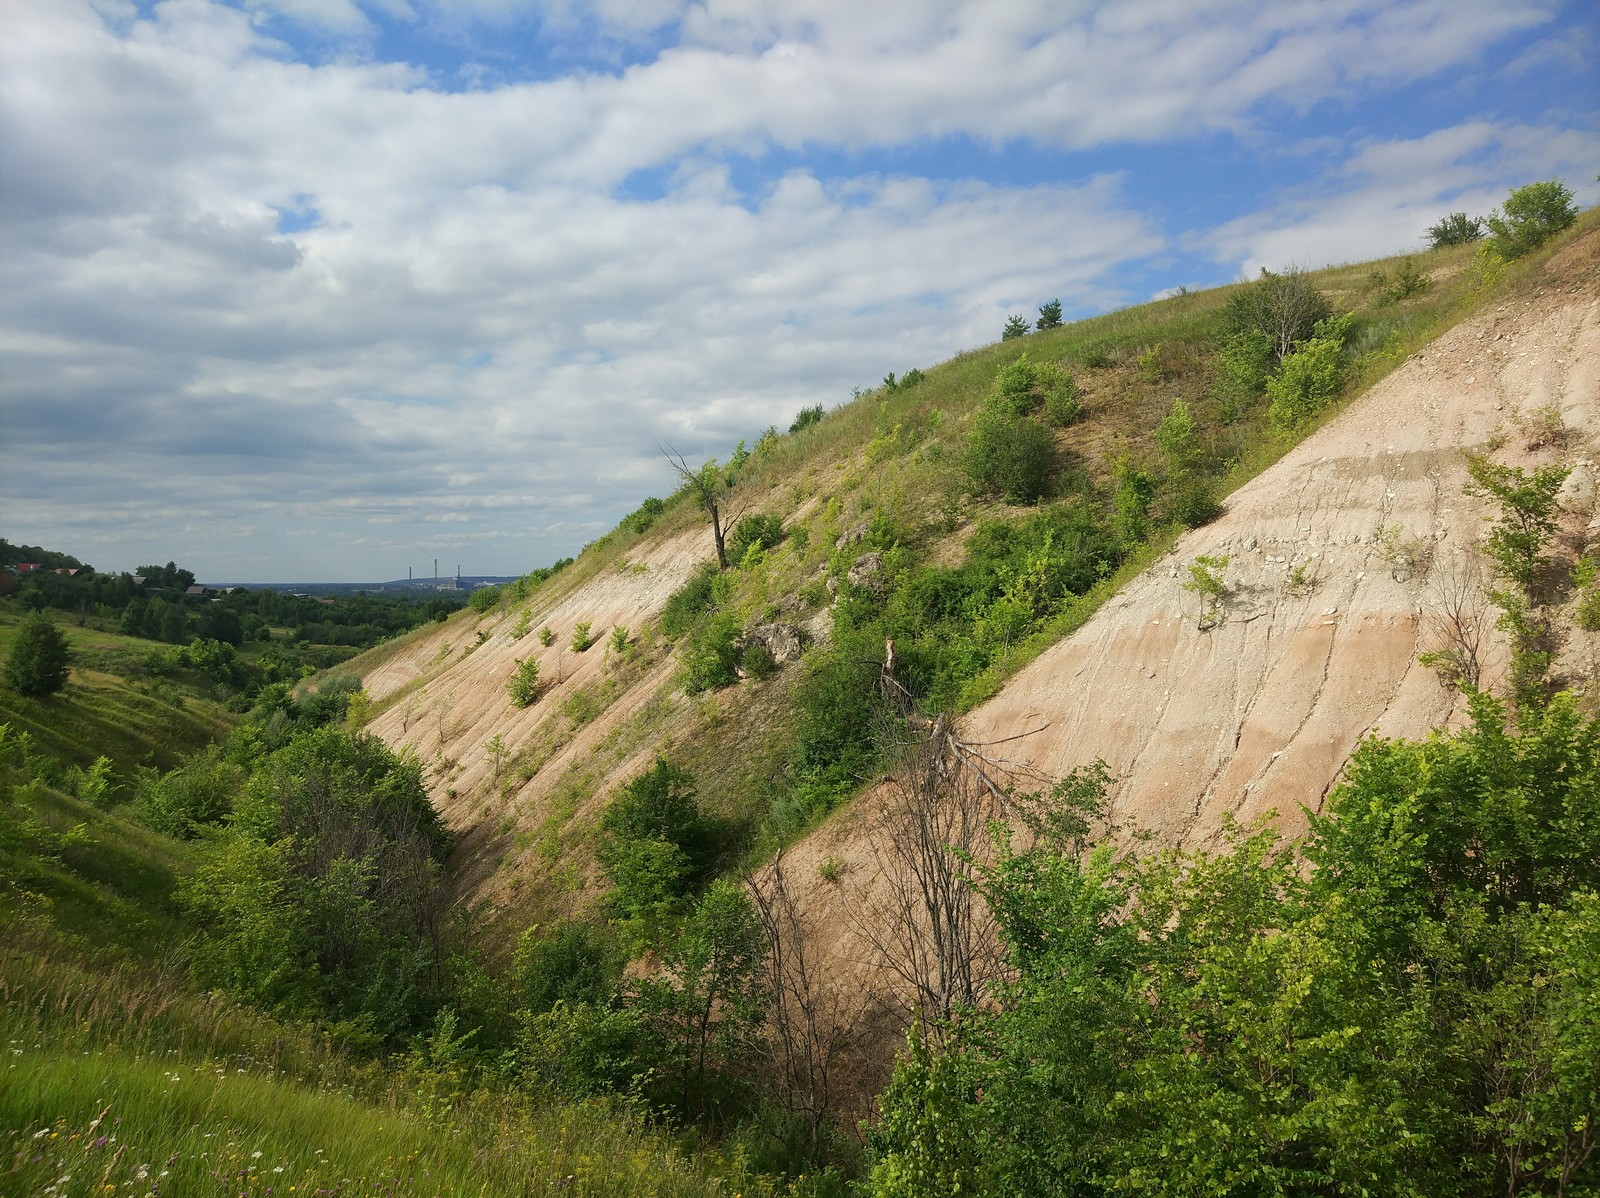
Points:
(1260, 712)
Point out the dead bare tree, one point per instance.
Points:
(927, 926)
(810, 1022)
(1458, 614)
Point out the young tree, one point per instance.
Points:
(1016, 326)
(1527, 514)
(1285, 307)
(1050, 315)
(37, 663)
(710, 486)
(1531, 216)
(707, 1003)
(1456, 229)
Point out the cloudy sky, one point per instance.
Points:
(303, 290)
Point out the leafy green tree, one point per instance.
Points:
(707, 1002)
(1527, 515)
(1285, 308)
(1456, 229)
(1530, 216)
(1016, 326)
(1050, 315)
(36, 663)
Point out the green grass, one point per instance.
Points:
(103, 714)
(118, 1077)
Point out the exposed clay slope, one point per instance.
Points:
(1262, 711)
(444, 697)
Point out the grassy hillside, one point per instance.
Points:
(122, 1076)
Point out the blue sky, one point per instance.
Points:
(323, 289)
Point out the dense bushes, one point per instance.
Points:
(654, 845)
(1417, 1010)
(321, 896)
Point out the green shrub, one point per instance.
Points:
(757, 661)
(642, 517)
(760, 531)
(1016, 387)
(654, 844)
(1131, 504)
(572, 963)
(1239, 372)
(806, 417)
(547, 636)
(196, 795)
(1193, 502)
(1008, 456)
(582, 635)
(704, 590)
(1405, 282)
(1176, 438)
(1311, 376)
(37, 661)
(709, 658)
(619, 638)
(1061, 405)
(1285, 308)
(1531, 216)
(484, 599)
(523, 624)
(1527, 515)
(1456, 229)
(1586, 578)
(524, 684)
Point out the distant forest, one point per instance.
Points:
(284, 635)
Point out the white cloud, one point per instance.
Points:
(1385, 195)
(478, 316)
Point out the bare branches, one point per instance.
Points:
(1458, 613)
(928, 928)
(809, 1021)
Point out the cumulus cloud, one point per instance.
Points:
(252, 282)
(1382, 198)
